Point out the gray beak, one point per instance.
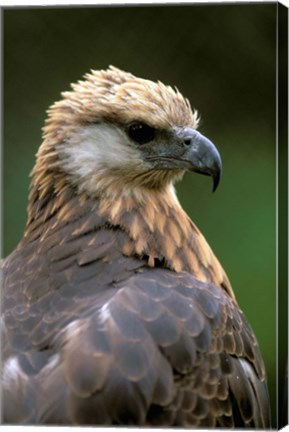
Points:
(200, 155)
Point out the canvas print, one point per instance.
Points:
(139, 217)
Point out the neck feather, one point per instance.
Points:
(156, 226)
(162, 231)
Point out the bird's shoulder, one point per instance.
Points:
(90, 335)
(137, 338)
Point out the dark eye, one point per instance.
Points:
(141, 133)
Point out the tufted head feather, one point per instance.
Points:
(85, 133)
(117, 96)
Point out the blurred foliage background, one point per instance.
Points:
(222, 57)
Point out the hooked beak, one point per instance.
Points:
(200, 155)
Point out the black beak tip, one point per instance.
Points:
(216, 179)
(216, 169)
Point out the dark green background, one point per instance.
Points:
(222, 57)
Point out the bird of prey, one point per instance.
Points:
(115, 310)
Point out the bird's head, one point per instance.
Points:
(114, 131)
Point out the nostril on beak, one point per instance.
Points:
(188, 141)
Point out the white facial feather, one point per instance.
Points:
(98, 152)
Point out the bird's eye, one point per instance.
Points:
(141, 133)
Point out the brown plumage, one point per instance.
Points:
(115, 310)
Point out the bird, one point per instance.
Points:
(115, 310)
